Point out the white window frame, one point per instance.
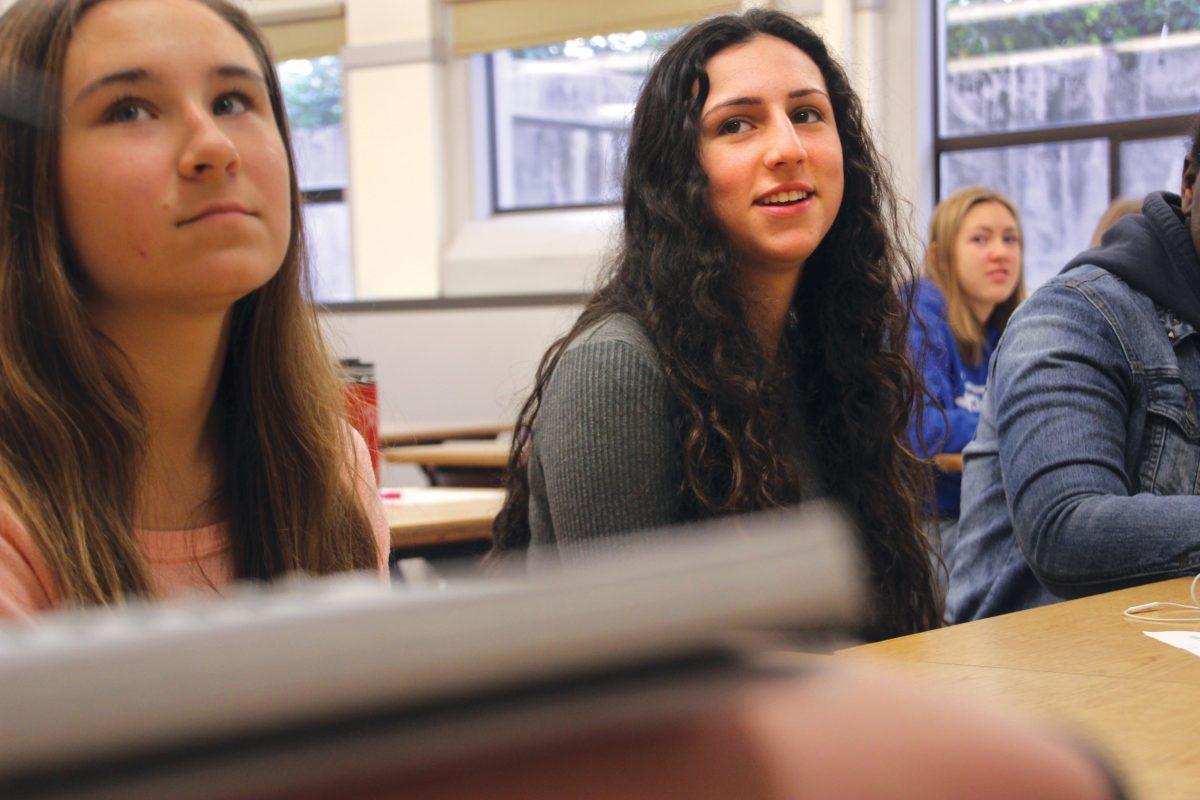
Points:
(514, 253)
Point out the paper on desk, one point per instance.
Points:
(1184, 640)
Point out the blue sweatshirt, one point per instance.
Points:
(957, 387)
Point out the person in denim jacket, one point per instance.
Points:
(1084, 474)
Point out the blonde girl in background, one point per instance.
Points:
(973, 283)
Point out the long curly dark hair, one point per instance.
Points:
(674, 274)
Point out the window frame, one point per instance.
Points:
(493, 174)
(316, 197)
(324, 195)
(512, 258)
(493, 189)
(1115, 132)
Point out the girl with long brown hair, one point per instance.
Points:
(169, 417)
(747, 349)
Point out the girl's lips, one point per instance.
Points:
(218, 215)
(218, 211)
(790, 210)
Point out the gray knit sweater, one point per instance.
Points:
(604, 458)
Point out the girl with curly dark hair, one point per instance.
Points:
(747, 349)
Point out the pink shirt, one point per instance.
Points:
(181, 562)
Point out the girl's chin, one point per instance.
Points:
(779, 259)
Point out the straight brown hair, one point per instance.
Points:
(72, 433)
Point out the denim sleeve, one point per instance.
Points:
(1062, 390)
(941, 426)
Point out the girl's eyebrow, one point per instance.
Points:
(141, 75)
(125, 76)
(234, 71)
(757, 101)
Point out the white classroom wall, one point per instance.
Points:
(433, 365)
(448, 365)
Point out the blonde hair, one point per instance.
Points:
(940, 267)
(1121, 207)
(72, 432)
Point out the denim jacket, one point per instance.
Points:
(1085, 469)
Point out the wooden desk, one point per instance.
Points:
(407, 435)
(457, 463)
(425, 517)
(1083, 665)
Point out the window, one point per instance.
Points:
(560, 117)
(312, 89)
(1064, 105)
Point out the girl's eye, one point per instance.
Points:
(805, 116)
(733, 126)
(126, 110)
(977, 239)
(232, 103)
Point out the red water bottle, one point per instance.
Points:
(362, 405)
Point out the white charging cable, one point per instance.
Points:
(1138, 612)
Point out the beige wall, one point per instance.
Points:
(394, 120)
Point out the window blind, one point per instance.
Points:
(306, 38)
(484, 25)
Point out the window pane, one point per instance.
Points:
(1152, 165)
(1018, 64)
(561, 116)
(1060, 190)
(328, 229)
(312, 90)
